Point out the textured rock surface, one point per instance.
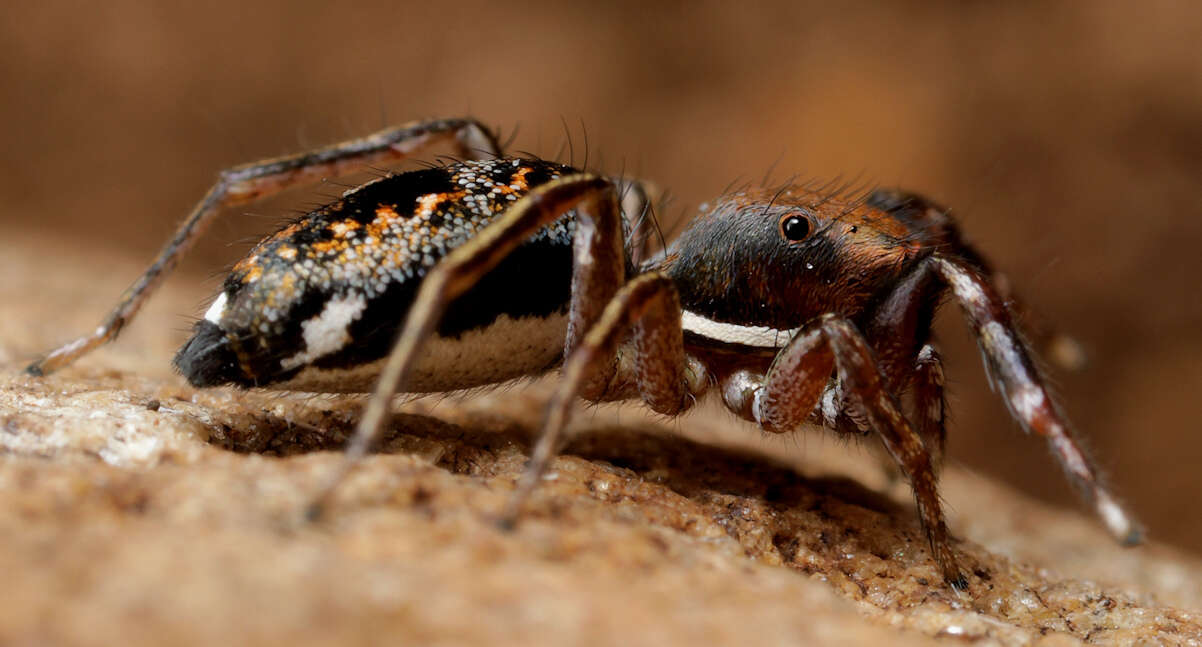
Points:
(136, 510)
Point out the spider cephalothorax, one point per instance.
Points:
(780, 258)
(760, 264)
(798, 305)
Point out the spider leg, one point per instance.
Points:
(930, 402)
(666, 378)
(644, 236)
(250, 182)
(929, 410)
(947, 237)
(598, 271)
(1057, 346)
(794, 384)
(1013, 372)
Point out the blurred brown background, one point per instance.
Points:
(1067, 136)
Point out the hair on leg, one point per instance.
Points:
(257, 180)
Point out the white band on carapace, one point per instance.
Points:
(759, 336)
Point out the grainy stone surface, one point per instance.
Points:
(136, 510)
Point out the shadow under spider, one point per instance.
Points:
(687, 467)
(751, 496)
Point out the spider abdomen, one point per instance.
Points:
(317, 305)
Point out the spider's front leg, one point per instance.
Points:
(257, 180)
(1013, 372)
(598, 271)
(783, 400)
(936, 220)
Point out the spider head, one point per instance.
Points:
(780, 258)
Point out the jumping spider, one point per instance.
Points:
(799, 306)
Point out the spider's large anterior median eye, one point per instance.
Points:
(795, 228)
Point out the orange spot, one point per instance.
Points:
(246, 264)
(285, 252)
(428, 204)
(517, 180)
(385, 215)
(290, 229)
(326, 246)
(432, 203)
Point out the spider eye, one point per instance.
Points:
(795, 228)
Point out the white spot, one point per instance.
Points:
(927, 354)
(1116, 520)
(962, 284)
(1027, 400)
(759, 336)
(586, 230)
(217, 310)
(832, 403)
(327, 332)
(997, 343)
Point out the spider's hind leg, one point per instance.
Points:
(648, 309)
(598, 271)
(257, 180)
